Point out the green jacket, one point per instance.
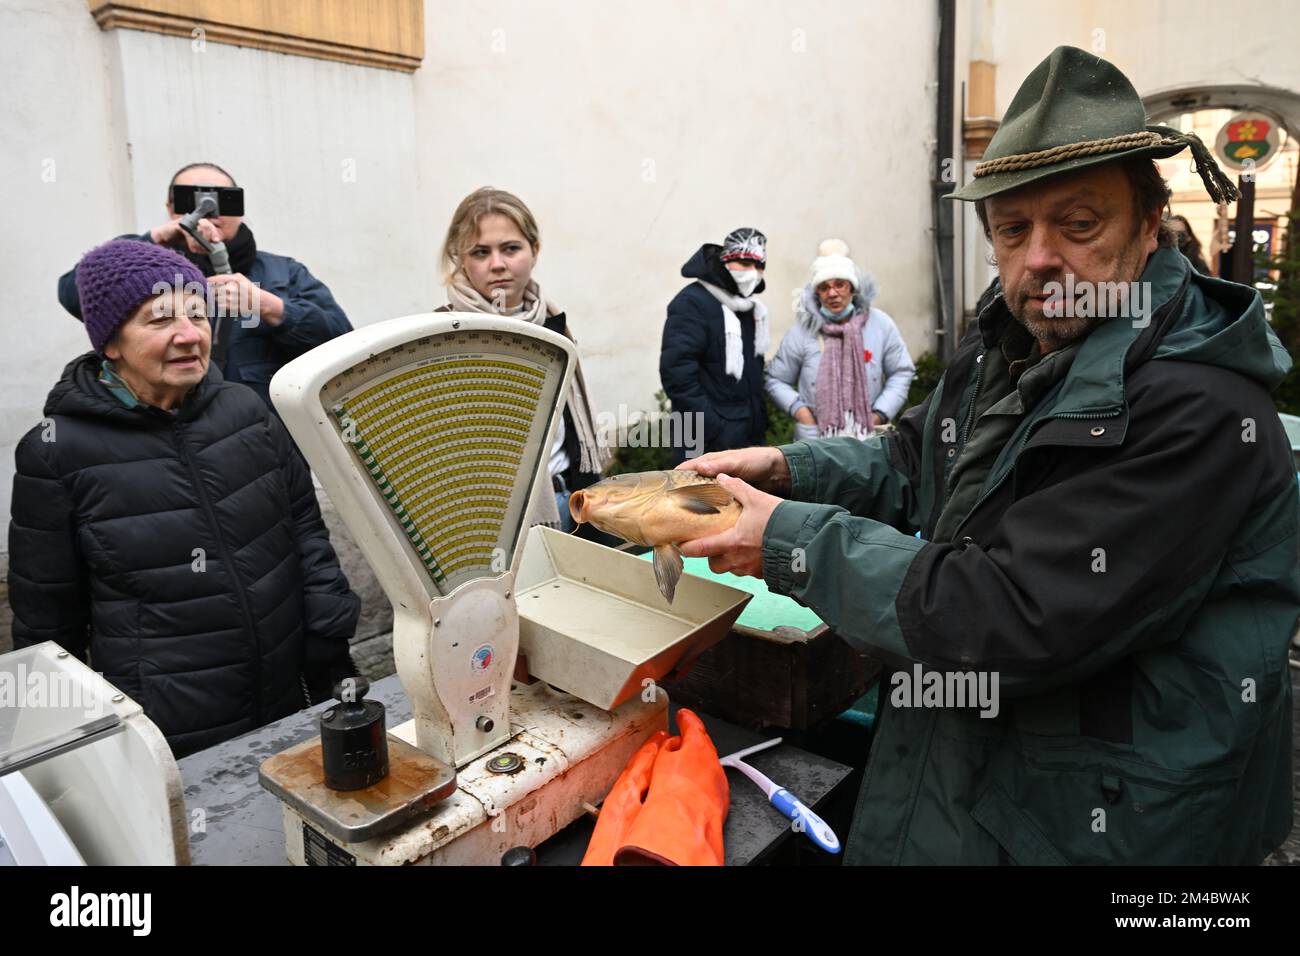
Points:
(1129, 572)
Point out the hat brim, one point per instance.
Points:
(995, 183)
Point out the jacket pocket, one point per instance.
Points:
(1085, 806)
(1024, 843)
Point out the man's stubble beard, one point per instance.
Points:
(1059, 332)
(1055, 333)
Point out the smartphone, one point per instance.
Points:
(230, 199)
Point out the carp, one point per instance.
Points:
(658, 509)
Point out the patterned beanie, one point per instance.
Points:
(113, 279)
(745, 243)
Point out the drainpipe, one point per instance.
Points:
(945, 161)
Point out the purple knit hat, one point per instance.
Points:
(113, 279)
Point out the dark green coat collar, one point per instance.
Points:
(1095, 382)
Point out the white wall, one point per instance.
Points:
(325, 152)
(635, 131)
(63, 184)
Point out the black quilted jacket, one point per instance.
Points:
(185, 551)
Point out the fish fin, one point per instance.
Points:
(697, 507)
(668, 569)
(702, 499)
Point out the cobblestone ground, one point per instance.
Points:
(374, 656)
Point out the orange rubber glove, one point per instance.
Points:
(681, 820)
(623, 804)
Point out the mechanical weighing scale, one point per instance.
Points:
(429, 433)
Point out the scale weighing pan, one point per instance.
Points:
(593, 623)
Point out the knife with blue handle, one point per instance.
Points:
(790, 806)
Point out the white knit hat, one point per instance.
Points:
(833, 262)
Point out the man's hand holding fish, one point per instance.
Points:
(763, 467)
(723, 516)
(739, 549)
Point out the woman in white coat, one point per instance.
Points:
(843, 368)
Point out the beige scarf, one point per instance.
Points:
(462, 297)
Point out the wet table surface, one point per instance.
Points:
(233, 821)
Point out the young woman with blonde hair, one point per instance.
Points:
(488, 259)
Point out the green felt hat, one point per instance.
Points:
(1076, 110)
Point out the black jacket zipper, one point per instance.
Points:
(966, 423)
(234, 573)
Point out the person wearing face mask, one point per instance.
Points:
(714, 345)
(488, 259)
(843, 368)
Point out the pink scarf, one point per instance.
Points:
(843, 399)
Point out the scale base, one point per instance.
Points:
(569, 753)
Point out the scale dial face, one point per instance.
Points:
(449, 430)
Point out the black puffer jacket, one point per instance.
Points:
(693, 360)
(185, 551)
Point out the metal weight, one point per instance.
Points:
(353, 738)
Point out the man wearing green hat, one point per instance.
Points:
(1088, 641)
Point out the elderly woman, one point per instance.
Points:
(163, 521)
(843, 367)
(488, 260)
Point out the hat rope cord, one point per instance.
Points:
(1220, 188)
(1087, 147)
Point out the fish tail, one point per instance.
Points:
(668, 569)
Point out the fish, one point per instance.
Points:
(660, 510)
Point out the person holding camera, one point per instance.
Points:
(275, 308)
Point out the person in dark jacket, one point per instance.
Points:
(714, 343)
(1187, 243)
(1088, 640)
(163, 522)
(280, 309)
(488, 258)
